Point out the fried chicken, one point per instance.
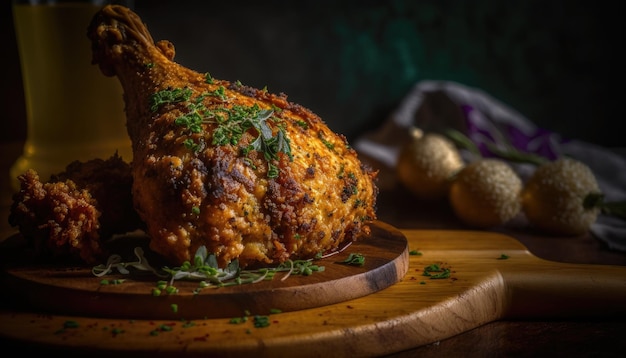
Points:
(72, 215)
(241, 171)
(109, 182)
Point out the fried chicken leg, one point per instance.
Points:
(241, 171)
(75, 213)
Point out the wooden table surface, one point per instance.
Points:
(571, 338)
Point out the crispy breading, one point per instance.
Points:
(283, 186)
(72, 215)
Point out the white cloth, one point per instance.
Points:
(608, 165)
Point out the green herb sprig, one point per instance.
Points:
(231, 123)
(205, 270)
(169, 96)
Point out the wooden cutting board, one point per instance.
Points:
(492, 276)
(76, 291)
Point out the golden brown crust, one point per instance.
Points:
(222, 196)
(109, 182)
(58, 219)
(73, 214)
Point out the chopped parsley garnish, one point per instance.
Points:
(261, 321)
(341, 171)
(67, 325)
(231, 122)
(112, 282)
(328, 144)
(169, 96)
(208, 78)
(238, 320)
(435, 271)
(70, 324)
(354, 259)
(161, 328)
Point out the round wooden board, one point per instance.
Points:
(76, 291)
(417, 310)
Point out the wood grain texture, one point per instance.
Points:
(415, 311)
(76, 291)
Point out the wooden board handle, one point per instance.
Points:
(565, 291)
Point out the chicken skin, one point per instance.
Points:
(241, 171)
(73, 215)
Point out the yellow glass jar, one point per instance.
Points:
(73, 111)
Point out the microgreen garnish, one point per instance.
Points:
(115, 262)
(503, 257)
(354, 259)
(414, 253)
(205, 270)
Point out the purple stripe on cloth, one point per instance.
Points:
(541, 141)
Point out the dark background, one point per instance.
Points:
(559, 63)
